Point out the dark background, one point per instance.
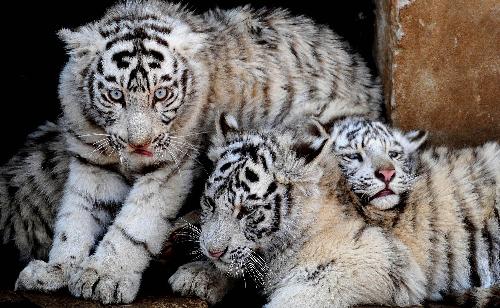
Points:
(32, 55)
(32, 58)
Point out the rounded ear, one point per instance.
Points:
(84, 41)
(186, 41)
(317, 129)
(311, 148)
(226, 124)
(415, 139)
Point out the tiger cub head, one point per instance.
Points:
(251, 205)
(131, 84)
(379, 162)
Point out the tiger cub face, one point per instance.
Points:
(378, 161)
(248, 208)
(131, 78)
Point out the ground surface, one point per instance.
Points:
(30, 299)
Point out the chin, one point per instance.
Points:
(386, 202)
(136, 162)
(232, 271)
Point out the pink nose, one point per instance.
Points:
(216, 254)
(385, 175)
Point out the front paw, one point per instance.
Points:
(108, 286)
(41, 276)
(202, 280)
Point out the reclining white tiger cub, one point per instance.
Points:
(283, 214)
(382, 165)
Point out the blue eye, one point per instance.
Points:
(115, 95)
(354, 156)
(160, 93)
(394, 154)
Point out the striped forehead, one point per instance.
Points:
(137, 49)
(363, 134)
(244, 159)
(124, 24)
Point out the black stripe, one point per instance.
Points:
(87, 111)
(97, 219)
(488, 239)
(450, 258)
(184, 85)
(138, 34)
(471, 239)
(432, 231)
(162, 29)
(119, 19)
(46, 225)
(360, 232)
(277, 213)
(135, 241)
(158, 56)
(470, 231)
(225, 167)
(114, 167)
(270, 189)
(118, 58)
(244, 185)
(251, 176)
(88, 198)
(289, 199)
(264, 163)
(165, 77)
(151, 168)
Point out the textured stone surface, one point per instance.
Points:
(29, 299)
(440, 61)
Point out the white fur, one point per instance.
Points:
(373, 142)
(201, 279)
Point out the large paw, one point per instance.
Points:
(105, 285)
(200, 279)
(41, 276)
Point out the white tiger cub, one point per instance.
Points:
(382, 164)
(378, 162)
(139, 95)
(283, 214)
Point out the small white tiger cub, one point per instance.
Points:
(382, 164)
(279, 210)
(378, 162)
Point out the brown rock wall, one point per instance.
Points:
(439, 61)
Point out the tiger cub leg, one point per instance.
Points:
(201, 279)
(91, 196)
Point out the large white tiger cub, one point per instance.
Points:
(139, 96)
